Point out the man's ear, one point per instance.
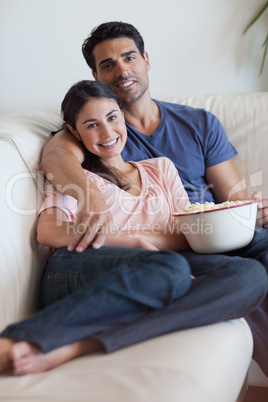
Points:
(94, 75)
(146, 58)
(74, 132)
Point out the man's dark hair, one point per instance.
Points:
(110, 30)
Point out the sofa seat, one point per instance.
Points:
(207, 364)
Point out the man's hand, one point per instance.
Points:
(262, 215)
(92, 223)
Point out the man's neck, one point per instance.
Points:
(144, 114)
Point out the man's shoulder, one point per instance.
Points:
(181, 108)
(175, 105)
(185, 114)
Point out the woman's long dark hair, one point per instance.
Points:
(73, 102)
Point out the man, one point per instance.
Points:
(193, 139)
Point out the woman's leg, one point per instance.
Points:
(148, 281)
(67, 271)
(229, 292)
(27, 358)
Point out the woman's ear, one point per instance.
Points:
(74, 132)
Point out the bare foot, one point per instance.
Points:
(5, 348)
(29, 359)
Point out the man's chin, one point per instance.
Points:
(128, 99)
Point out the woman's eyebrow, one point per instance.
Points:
(107, 115)
(88, 120)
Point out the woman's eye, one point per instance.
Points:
(92, 125)
(111, 118)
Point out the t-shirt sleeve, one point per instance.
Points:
(217, 146)
(55, 199)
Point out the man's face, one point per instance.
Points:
(120, 65)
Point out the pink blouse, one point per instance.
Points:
(162, 193)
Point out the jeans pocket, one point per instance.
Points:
(56, 285)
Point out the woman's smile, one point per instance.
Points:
(110, 144)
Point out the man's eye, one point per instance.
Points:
(106, 66)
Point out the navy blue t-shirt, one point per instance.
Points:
(193, 139)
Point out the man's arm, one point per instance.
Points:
(226, 185)
(225, 182)
(61, 163)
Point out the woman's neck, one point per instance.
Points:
(129, 173)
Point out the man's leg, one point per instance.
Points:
(231, 291)
(258, 319)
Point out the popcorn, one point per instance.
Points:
(208, 206)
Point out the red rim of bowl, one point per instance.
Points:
(217, 209)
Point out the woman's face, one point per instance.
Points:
(101, 127)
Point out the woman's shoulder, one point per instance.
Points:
(161, 163)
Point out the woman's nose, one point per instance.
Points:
(106, 130)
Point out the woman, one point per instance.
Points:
(128, 290)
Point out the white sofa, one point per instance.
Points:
(207, 364)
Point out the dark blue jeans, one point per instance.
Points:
(123, 296)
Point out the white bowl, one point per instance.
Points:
(219, 230)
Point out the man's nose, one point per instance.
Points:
(122, 70)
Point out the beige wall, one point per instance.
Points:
(195, 46)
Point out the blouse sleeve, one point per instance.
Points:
(55, 199)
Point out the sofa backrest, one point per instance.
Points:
(22, 136)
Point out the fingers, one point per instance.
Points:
(101, 235)
(92, 230)
(256, 196)
(262, 215)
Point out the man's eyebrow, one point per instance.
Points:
(110, 59)
(94, 120)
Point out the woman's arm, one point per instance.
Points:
(53, 230)
(158, 241)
